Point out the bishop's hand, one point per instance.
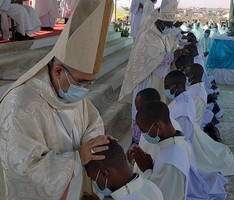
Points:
(87, 150)
(143, 160)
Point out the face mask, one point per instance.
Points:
(74, 93)
(168, 93)
(106, 191)
(148, 138)
(206, 35)
(187, 82)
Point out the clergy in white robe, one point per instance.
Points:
(67, 7)
(200, 59)
(138, 189)
(47, 11)
(42, 138)
(210, 156)
(27, 21)
(47, 130)
(150, 58)
(136, 10)
(148, 8)
(197, 90)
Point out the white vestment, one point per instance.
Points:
(152, 149)
(171, 168)
(67, 7)
(210, 156)
(27, 21)
(39, 136)
(136, 16)
(198, 93)
(148, 64)
(149, 60)
(148, 8)
(182, 109)
(138, 189)
(47, 11)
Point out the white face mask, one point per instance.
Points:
(74, 93)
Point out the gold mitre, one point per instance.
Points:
(82, 42)
(168, 10)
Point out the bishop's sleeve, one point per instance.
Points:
(32, 167)
(92, 123)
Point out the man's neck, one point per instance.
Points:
(169, 132)
(195, 82)
(125, 177)
(179, 93)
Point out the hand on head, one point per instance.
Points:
(94, 145)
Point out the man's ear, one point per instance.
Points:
(57, 71)
(157, 124)
(104, 173)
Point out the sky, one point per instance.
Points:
(203, 3)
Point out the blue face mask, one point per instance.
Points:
(106, 191)
(74, 93)
(168, 94)
(152, 140)
(206, 35)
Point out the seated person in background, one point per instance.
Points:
(169, 168)
(113, 177)
(27, 21)
(47, 11)
(67, 7)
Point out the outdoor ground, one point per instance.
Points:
(226, 102)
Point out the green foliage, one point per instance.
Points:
(121, 27)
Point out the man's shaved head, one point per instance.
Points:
(145, 96)
(114, 157)
(175, 77)
(184, 61)
(196, 70)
